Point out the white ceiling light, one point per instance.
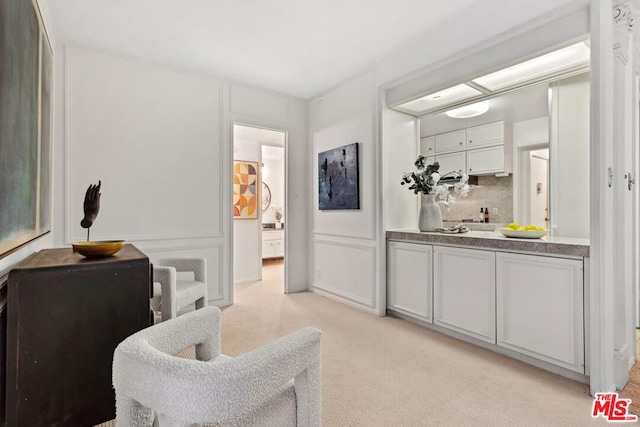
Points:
(467, 111)
(539, 67)
(444, 97)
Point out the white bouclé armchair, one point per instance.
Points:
(175, 293)
(278, 384)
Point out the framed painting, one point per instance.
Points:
(245, 190)
(338, 183)
(25, 125)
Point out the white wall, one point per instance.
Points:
(401, 206)
(344, 241)
(569, 154)
(160, 140)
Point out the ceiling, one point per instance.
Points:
(263, 136)
(524, 104)
(297, 47)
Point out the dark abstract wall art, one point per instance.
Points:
(26, 67)
(338, 185)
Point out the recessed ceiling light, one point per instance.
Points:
(467, 111)
(438, 99)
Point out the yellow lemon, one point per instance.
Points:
(531, 228)
(513, 226)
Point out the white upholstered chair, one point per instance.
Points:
(172, 293)
(276, 385)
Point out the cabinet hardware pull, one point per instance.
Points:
(470, 141)
(470, 169)
(461, 143)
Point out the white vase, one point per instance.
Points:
(430, 215)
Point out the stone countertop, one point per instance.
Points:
(551, 245)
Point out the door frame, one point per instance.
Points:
(282, 129)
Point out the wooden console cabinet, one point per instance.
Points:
(65, 316)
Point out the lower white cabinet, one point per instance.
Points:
(272, 244)
(528, 304)
(540, 308)
(410, 279)
(464, 291)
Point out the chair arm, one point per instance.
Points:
(200, 328)
(197, 265)
(215, 392)
(167, 276)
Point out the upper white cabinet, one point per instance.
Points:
(489, 134)
(540, 308)
(427, 146)
(450, 162)
(450, 141)
(485, 160)
(464, 291)
(410, 279)
(487, 149)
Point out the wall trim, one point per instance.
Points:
(372, 250)
(343, 299)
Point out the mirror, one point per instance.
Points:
(266, 196)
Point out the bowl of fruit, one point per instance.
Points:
(527, 232)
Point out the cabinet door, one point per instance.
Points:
(268, 249)
(452, 162)
(427, 146)
(464, 291)
(540, 308)
(409, 279)
(279, 248)
(485, 135)
(450, 141)
(485, 160)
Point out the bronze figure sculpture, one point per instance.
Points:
(91, 206)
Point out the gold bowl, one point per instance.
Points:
(98, 248)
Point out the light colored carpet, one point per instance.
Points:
(383, 371)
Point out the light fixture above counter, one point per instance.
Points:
(565, 62)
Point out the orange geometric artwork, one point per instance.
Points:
(245, 189)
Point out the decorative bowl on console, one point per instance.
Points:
(98, 248)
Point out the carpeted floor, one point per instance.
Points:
(383, 371)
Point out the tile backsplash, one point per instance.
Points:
(491, 192)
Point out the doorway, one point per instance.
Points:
(258, 232)
(532, 194)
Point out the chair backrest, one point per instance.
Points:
(148, 377)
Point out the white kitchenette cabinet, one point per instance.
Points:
(450, 141)
(485, 160)
(464, 291)
(540, 308)
(485, 135)
(410, 279)
(272, 244)
(449, 162)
